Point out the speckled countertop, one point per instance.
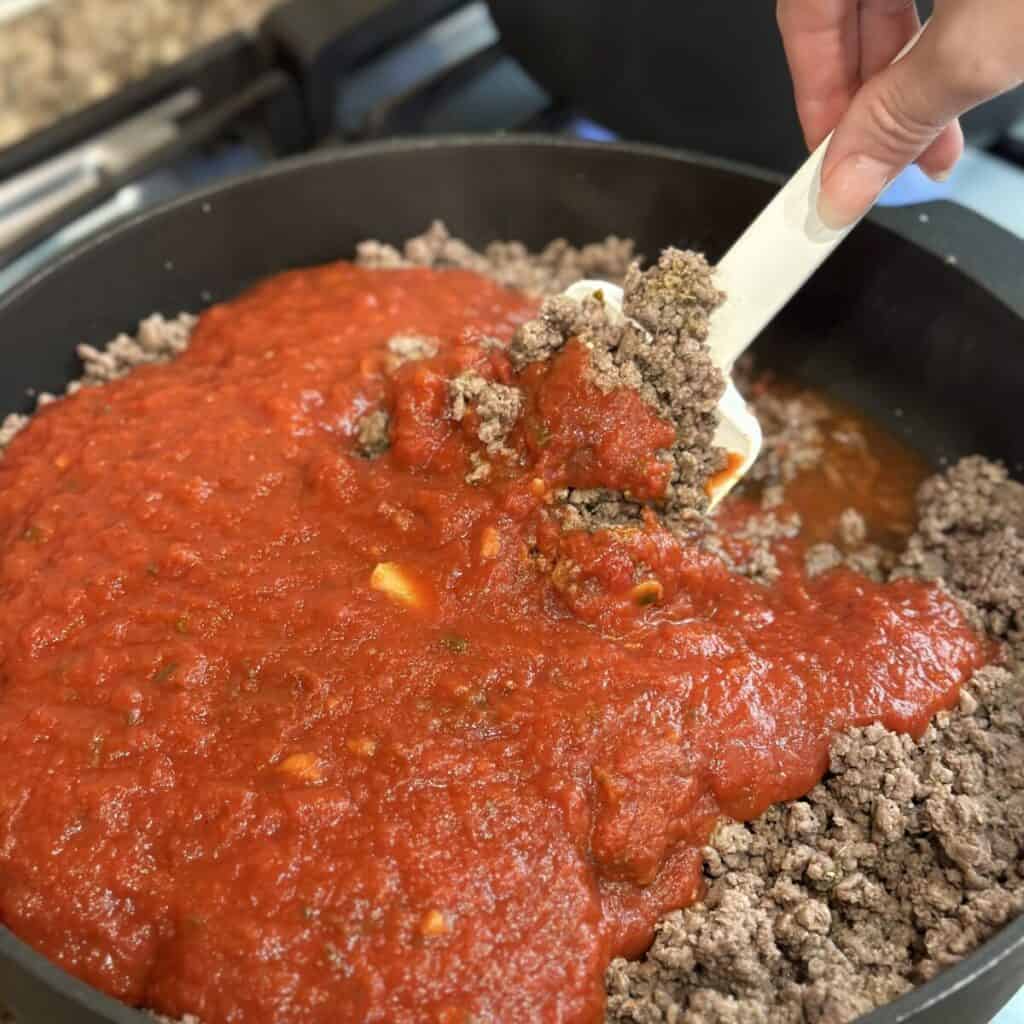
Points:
(65, 54)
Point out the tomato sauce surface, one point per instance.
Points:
(295, 735)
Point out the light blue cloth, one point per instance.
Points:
(914, 186)
(986, 184)
(1013, 1012)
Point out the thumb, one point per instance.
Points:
(909, 108)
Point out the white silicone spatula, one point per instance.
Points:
(761, 272)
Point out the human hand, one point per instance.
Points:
(886, 115)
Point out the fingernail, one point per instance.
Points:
(940, 176)
(850, 190)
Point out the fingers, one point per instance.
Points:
(971, 51)
(939, 159)
(906, 111)
(886, 26)
(821, 42)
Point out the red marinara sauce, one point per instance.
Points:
(247, 778)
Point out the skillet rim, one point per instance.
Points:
(525, 140)
(908, 1007)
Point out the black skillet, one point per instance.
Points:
(932, 355)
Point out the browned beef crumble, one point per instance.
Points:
(10, 426)
(908, 854)
(155, 341)
(373, 436)
(793, 438)
(970, 533)
(373, 431)
(497, 407)
(408, 348)
(760, 533)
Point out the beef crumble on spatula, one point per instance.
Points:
(658, 348)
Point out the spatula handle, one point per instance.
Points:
(773, 258)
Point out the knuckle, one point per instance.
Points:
(895, 126)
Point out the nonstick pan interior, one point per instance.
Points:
(930, 354)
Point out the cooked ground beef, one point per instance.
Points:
(155, 341)
(793, 440)
(510, 263)
(822, 557)
(372, 433)
(903, 860)
(497, 407)
(971, 534)
(853, 531)
(759, 536)
(10, 426)
(408, 348)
